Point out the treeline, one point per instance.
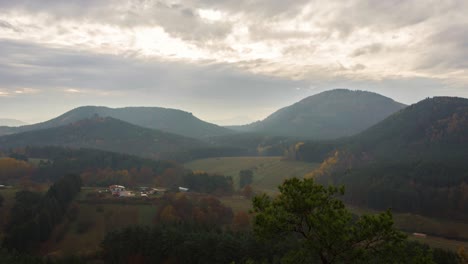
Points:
(184, 243)
(189, 244)
(199, 209)
(57, 161)
(206, 183)
(428, 188)
(98, 168)
(34, 215)
(192, 244)
(12, 170)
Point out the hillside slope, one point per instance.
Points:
(415, 160)
(105, 134)
(328, 115)
(165, 119)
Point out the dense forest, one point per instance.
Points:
(414, 161)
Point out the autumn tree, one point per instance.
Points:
(12, 169)
(462, 255)
(169, 214)
(241, 221)
(326, 230)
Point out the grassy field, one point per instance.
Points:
(35, 161)
(269, 172)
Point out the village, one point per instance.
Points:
(122, 191)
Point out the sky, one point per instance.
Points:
(227, 61)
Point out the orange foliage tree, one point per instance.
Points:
(12, 170)
(241, 221)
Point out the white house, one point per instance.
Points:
(183, 189)
(116, 189)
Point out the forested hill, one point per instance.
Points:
(105, 134)
(165, 119)
(328, 115)
(415, 160)
(432, 128)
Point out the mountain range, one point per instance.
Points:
(328, 115)
(164, 119)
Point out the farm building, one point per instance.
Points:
(158, 190)
(126, 194)
(116, 189)
(183, 189)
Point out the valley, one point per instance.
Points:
(410, 159)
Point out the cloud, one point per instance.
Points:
(122, 81)
(448, 48)
(6, 25)
(72, 90)
(4, 93)
(219, 54)
(369, 49)
(295, 40)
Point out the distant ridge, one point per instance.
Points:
(11, 122)
(327, 115)
(105, 134)
(165, 119)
